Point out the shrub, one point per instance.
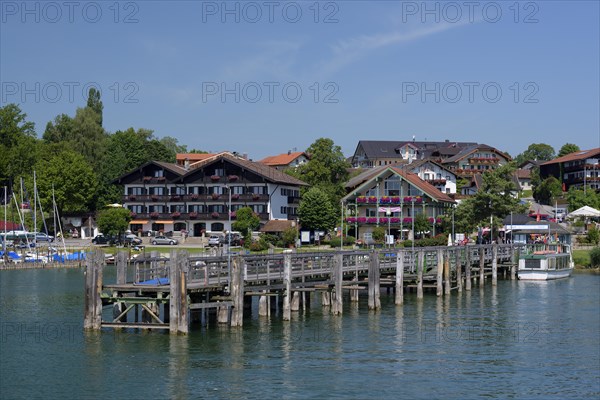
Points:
(259, 245)
(593, 236)
(289, 236)
(348, 241)
(595, 257)
(378, 234)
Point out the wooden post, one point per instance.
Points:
(468, 268)
(93, 288)
(495, 264)
(458, 270)
(121, 267)
(420, 268)
(374, 300)
(178, 307)
(295, 304)
(326, 298)
(287, 281)
(481, 265)
(338, 275)
(440, 272)
(447, 272)
(399, 277)
(237, 291)
(514, 259)
(263, 306)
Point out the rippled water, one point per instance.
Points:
(519, 340)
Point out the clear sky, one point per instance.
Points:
(266, 77)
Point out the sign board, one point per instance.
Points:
(305, 236)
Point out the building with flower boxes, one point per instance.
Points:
(392, 197)
(195, 197)
(475, 160)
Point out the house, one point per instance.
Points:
(284, 161)
(374, 153)
(473, 186)
(578, 170)
(475, 159)
(436, 174)
(523, 176)
(392, 197)
(204, 196)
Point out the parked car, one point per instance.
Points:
(236, 240)
(109, 240)
(214, 240)
(132, 240)
(43, 237)
(164, 240)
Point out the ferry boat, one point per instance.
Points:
(553, 262)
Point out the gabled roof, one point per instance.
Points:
(277, 225)
(379, 148)
(476, 180)
(418, 163)
(411, 178)
(282, 159)
(523, 173)
(575, 156)
(472, 149)
(269, 173)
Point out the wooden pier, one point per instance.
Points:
(170, 293)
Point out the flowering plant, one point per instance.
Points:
(372, 199)
(215, 215)
(361, 199)
(385, 200)
(193, 214)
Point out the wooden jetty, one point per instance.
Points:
(171, 292)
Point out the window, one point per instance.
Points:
(158, 191)
(371, 212)
(237, 190)
(259, 208)
(196, 208)
(178, 208)
(135, 191)
(178, 190)
(136, 209)
(257, 189)
(215, 189)
(219, 172)
(216, 208)
(159, 173)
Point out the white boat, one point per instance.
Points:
(553, 262)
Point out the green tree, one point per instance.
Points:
(246, 221)
(579, 198)
(173, 145)
(316, 211)
(289, 236)
(378, 234)
(113, 220)
(422, 224)
(94, 103)
(61, 130)
(568, 148)
(17, 144)
(326, 169)
(593, 236)
(547, 191)
(536, 151)
(73, 180)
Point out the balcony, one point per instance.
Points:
(196, 198)
(192, 216)
(484, 160)
(153, 179)
(436, 181)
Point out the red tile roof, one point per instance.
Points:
(426, 187)
(281, 159)
(192, 157)
(578, 155)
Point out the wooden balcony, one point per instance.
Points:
(196, 198)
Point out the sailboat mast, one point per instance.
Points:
(34, 210)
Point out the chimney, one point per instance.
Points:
(289, 152)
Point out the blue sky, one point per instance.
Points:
(266, 77)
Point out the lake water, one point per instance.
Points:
(519, 340)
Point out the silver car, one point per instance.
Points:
(164, 240)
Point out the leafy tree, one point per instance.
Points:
(379, 233)
(464, 217)
(289, 236)
(17, 144)
(61, 130)
(316, 211)
(246, 221)
(113, 220)
(593, 236)
(536, 151)
(579, 198)
(568, 148)
(173, 145)
(547, 191)
(422, 223)
(73, 180)
(95, 103)
(326, 169)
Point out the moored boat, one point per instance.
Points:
(553, 262)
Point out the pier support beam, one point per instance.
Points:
(263, 306)
(467, 269)
(420, 268)
(295, 304)
(494, 264)
(458, 259)
(93, 288)
(237, 291)
(399, 277)
(440, 273)
(338, 275)
(178, 307)
(374, 290)
(287, 282)
(481, 265)
(447, 282)
(514, 259)
(326, 298)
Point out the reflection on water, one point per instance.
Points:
(519, 339)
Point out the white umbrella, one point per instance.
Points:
(449, 240)
(585, 211)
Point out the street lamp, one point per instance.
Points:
(389, 214)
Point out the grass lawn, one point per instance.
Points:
(581, 258)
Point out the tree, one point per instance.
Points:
(113, 220)
(326, 169)
(289, 236)
(246, 221)
(422, 224)
(536, 151)
(579, 198)
(17, 144)
(547, 191)
(316, 211)
(61, 130)
(95, 103)
(568, 148)
(73, 180)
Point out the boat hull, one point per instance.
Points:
(547, 275)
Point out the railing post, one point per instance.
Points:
(287, 281)
(481, 265)
(458, 269)
(420, 268)
(374, 300)
(237, 291)
(447, 272)
(178, 307)
(467, 268)
(338, 275)
(93, 288)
